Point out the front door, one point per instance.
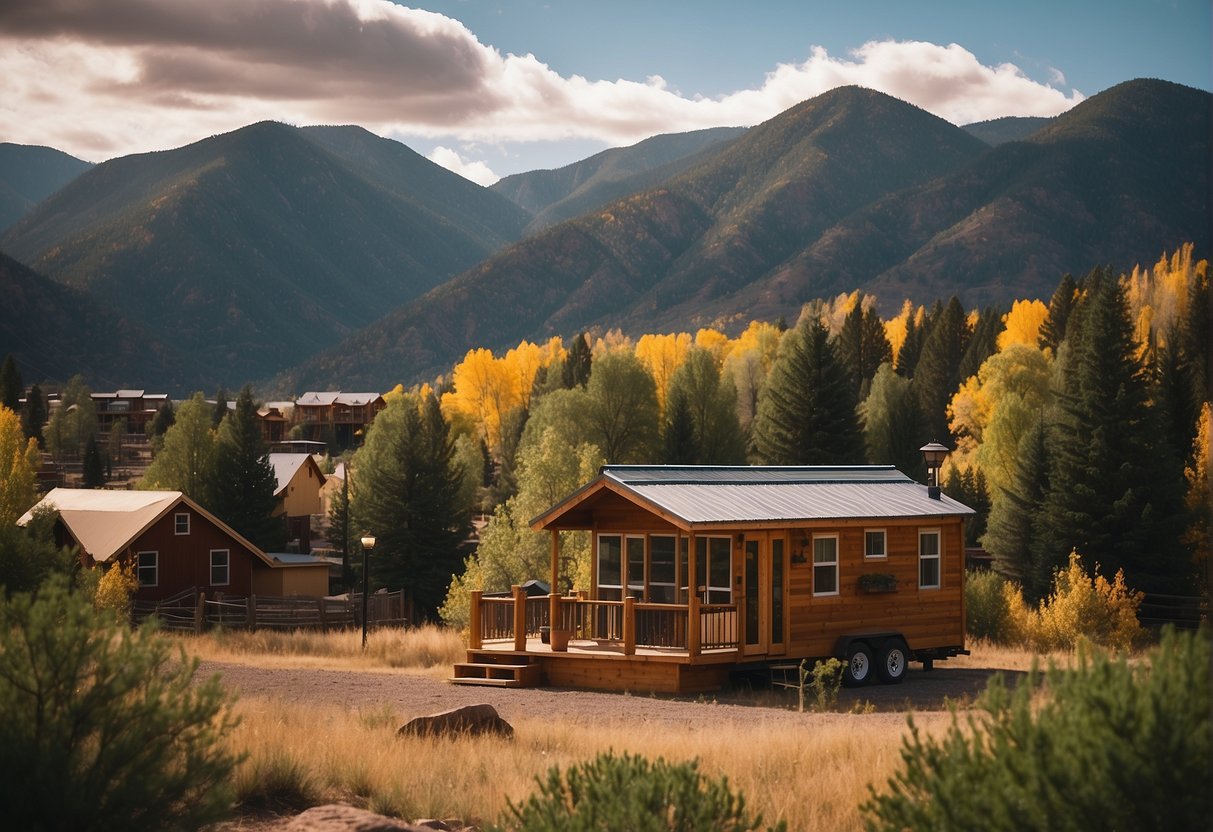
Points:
(764, 576)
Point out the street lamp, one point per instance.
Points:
(933, 453)
(368, 543)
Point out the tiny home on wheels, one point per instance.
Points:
(702, 570)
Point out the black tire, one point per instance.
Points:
(892, 663)
(859, 667)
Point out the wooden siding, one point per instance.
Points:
(289, 581)
(185, 560)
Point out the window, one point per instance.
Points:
(825, 565)
(928, 559)
(636, 567)
(181, 522)
(714, 569)
(874, 543)
(661, 569)
(148, 568)
(220, 567)
(610, 573)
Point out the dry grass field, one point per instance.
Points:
(319, 721)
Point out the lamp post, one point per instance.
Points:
(368, 543)
(933, 453)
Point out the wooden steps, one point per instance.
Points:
(502, 670)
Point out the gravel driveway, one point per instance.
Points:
(746, 701)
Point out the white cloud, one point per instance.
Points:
(477, 172)
(103, 79)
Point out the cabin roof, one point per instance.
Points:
(105, 523)
(703, 496)
(286, 465)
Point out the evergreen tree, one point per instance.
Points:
(505, 482)
(221, 408)
(862, 344)
(242, 481)
(34, 415)
(1010, 535)
(983, 343)
(162, 421)
(94, 465)
(11, 386)
(1196, 336)
(341, 529)
(937, 375)
(969, 487)
(74, 421)
(1053, 330)
(577, 364)
(1115, 490)
(911, 349)
(409, 495)
(678, 443)
(807, 414)
(893, 431)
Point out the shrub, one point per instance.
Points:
(1080, 607)
(631, 792)
(115, 588)
(103, 728)
(826, 680)
(987, 607)
(1109, 745)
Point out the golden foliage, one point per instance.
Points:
(1022, 324)
(116, 587)
(19, 459)
(1199, 501)
(1080, 607)
(662, 355)
(1158, 297)
(895, 328)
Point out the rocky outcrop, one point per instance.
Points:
(469, 720)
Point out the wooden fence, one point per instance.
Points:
(191, 611)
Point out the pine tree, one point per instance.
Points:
(341, 528)
(11, 386)
(937, 375)
(862, 344)
(983, 343)
(94, 465)
(242, 481)
(678, 443)
(1114, 490)
(409, 495)
(1053, 330)
(221, 408)
(711, 401)
(911, 349)
(807, 413)
(34, 415)
(577, 363)
(1010, 535)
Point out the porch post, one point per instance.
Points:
(519, 618)
(474, 635)
(629, 625)
(555, 585)
(693, 621)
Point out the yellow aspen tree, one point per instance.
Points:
(895, 328)
(1022, 324)
(715, 342)
(481, 392)
(661, 355)
(614, 340)
(19, 460)
(1199, 535)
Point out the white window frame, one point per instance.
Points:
(819, 564)
(155, 569)
(937, 557)
(177, 523)
(884, 544)
(598, 584)
(227, 566)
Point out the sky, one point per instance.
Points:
(488, 89)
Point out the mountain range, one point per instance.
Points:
(328, 257)
(29, 174)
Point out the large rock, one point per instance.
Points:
(469, 720)
(337, 818)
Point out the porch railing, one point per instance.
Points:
(693, 627)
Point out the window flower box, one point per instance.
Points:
(874, 582)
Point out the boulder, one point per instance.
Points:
(469, 720)
(338, 818)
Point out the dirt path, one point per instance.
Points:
(412, 695)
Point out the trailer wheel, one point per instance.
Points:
(893, 662)
(858, 669)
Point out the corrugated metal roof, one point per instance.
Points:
(722, 495)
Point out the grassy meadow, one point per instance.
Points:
(812, 774)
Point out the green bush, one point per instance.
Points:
(102, 727)
(633, 793)
(1106, 745)
(987, 612)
